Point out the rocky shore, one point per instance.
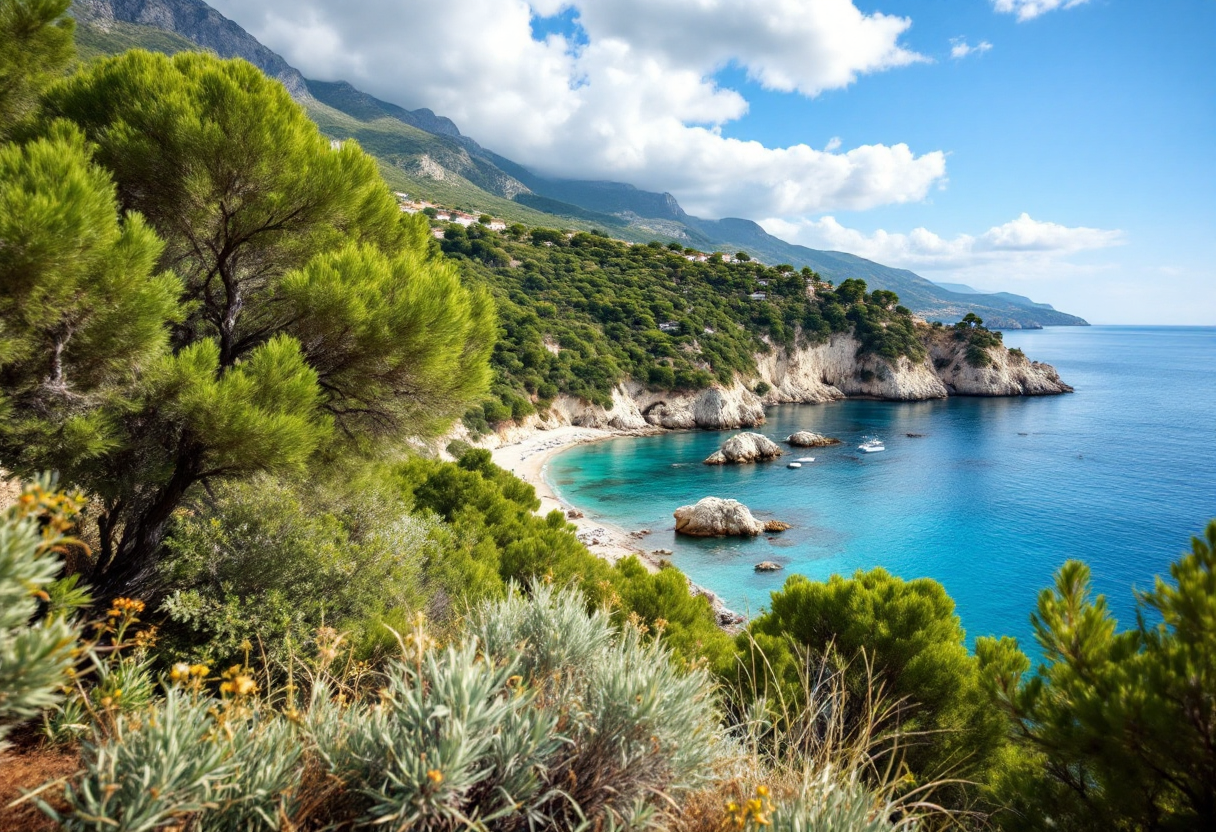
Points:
(811, 375)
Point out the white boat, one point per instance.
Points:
(794, 465)
(805, 459)
(871, 446)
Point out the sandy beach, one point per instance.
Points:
(527, 460)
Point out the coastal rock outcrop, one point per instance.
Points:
(835, 370)
(809, 374)
(1006, 373)
(776, 526)
(744, 447)
(807, 439)
(715, 517)
(767, 566)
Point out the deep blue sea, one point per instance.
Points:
(994, 497)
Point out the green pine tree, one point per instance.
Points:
(35, 47)
(1118, 728)
(310, 311)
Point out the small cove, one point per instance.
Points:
(990, 500)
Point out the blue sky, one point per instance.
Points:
(1067, 156)
(1103, 115)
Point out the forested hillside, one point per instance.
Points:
(580, 313)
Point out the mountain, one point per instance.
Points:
(958, 288)
(199, 23)
(426, 155)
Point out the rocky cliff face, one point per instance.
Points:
(822, 373)
(196, 21)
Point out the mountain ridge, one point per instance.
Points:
(630, 211)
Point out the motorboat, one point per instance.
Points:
(872, 446)
(805, 459)
(794, 465)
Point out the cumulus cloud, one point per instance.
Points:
(632, 98)
(1029, 9)
(1025, 242)
(959, 48)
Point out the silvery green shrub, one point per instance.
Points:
(636, 726)
(178, 762)
(548, 632)
(832, 801)
(452, 742)
(34, 658)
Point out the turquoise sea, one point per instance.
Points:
(990, 501)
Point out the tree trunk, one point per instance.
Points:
(133, 571)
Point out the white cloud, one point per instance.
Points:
(636, 101)
(833, 144)
(1021, 247)
(1029, 9)
(959, 48)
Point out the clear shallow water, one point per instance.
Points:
(994, 497)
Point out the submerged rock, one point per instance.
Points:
(767, 566)
(807, 439)
(744, 447)
(715, 517)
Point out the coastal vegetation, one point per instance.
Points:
(253, 597)
(580, 312)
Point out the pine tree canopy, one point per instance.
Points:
(219, 291)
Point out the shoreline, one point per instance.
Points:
(528, 459)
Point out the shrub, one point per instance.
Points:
(274, 560)
(544, 716)
(901, 635)
(189, 759)
(1116, 727)
(35, 658)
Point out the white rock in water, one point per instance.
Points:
(807, 439)
(745, 447)
(715, 517)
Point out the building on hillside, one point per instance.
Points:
(758, 296)
(669, 326)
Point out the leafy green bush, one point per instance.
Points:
(274, 560)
